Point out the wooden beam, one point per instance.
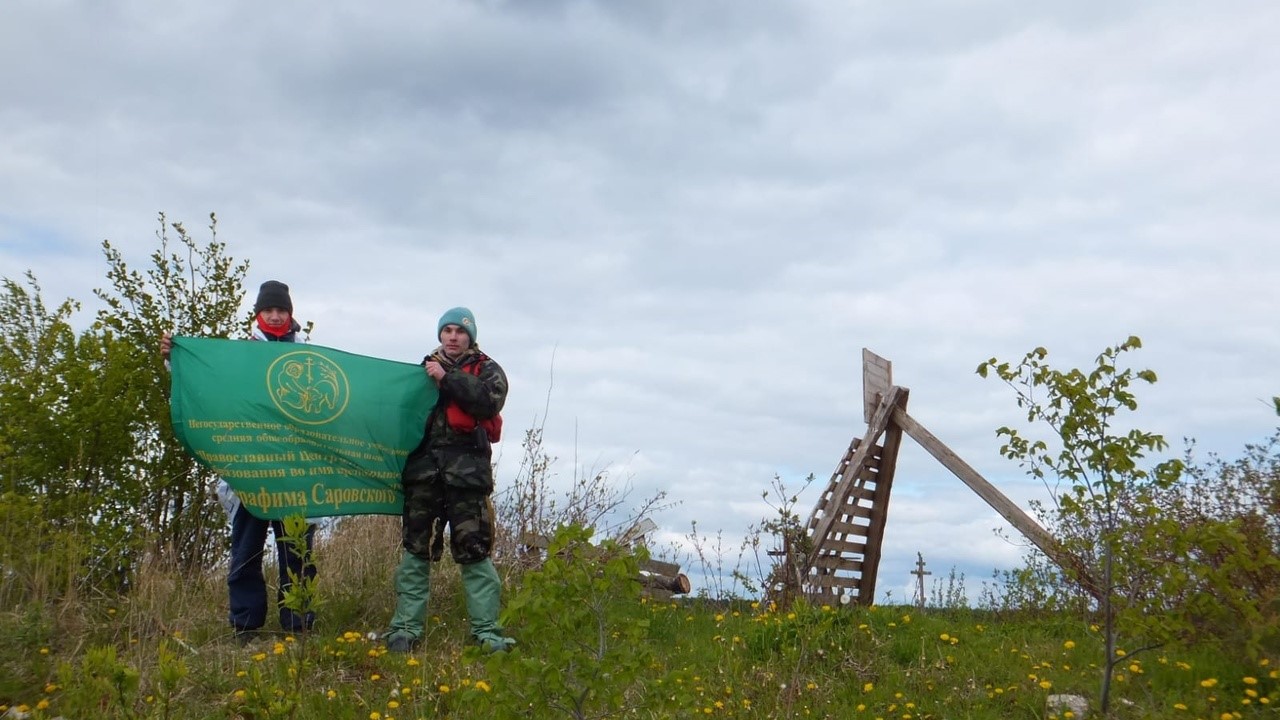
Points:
(840, 494)
(1024, 523)
(877, 378)
(880, 503)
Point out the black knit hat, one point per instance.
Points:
(273, 294)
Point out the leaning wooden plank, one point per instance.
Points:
(1024, 523)
(875, 429)
(879, 516)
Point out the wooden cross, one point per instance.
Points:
(920, 572)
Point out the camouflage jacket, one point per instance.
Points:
(460, 460)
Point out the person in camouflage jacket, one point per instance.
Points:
(447, 481)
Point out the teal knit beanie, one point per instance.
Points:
(461, 317)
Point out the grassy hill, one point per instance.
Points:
(590, 646)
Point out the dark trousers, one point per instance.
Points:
(245, 584)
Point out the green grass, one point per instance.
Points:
(165, 652)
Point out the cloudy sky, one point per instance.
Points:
(679, 223)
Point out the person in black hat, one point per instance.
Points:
(246, 587)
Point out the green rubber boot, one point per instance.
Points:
(483, 589)
(413, 588)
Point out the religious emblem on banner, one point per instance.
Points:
(308, 387)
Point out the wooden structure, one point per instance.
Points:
(846, 528)
(660, 580)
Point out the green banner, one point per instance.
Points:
(297, 428)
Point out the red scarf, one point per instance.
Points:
(277, 332)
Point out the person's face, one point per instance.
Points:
(454, 339)
(275, 317)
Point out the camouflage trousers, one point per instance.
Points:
(430, 505)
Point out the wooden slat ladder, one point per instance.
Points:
(847, 525)
(846, 529)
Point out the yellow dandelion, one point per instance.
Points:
(483, 686)
(51, 687)
(259, 657)
(412, 662)
(1179, 706)
(1135, 668)
(868, 687)
(278, 649)
(1068, 645)
(331, 694)
(1251, 681)
(944, 637)
(44, 651)
(43, 704)
(1208, 682)
(393, 704)
(375, 715)
(239, 694)
(444, 689)
(375, 677)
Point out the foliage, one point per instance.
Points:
(190, 289)
(583, 649)
(702, 659)
(68, 415)
(776, 570)
(173, 657)
(303, 594)
(1182, 556)
(89, 467)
